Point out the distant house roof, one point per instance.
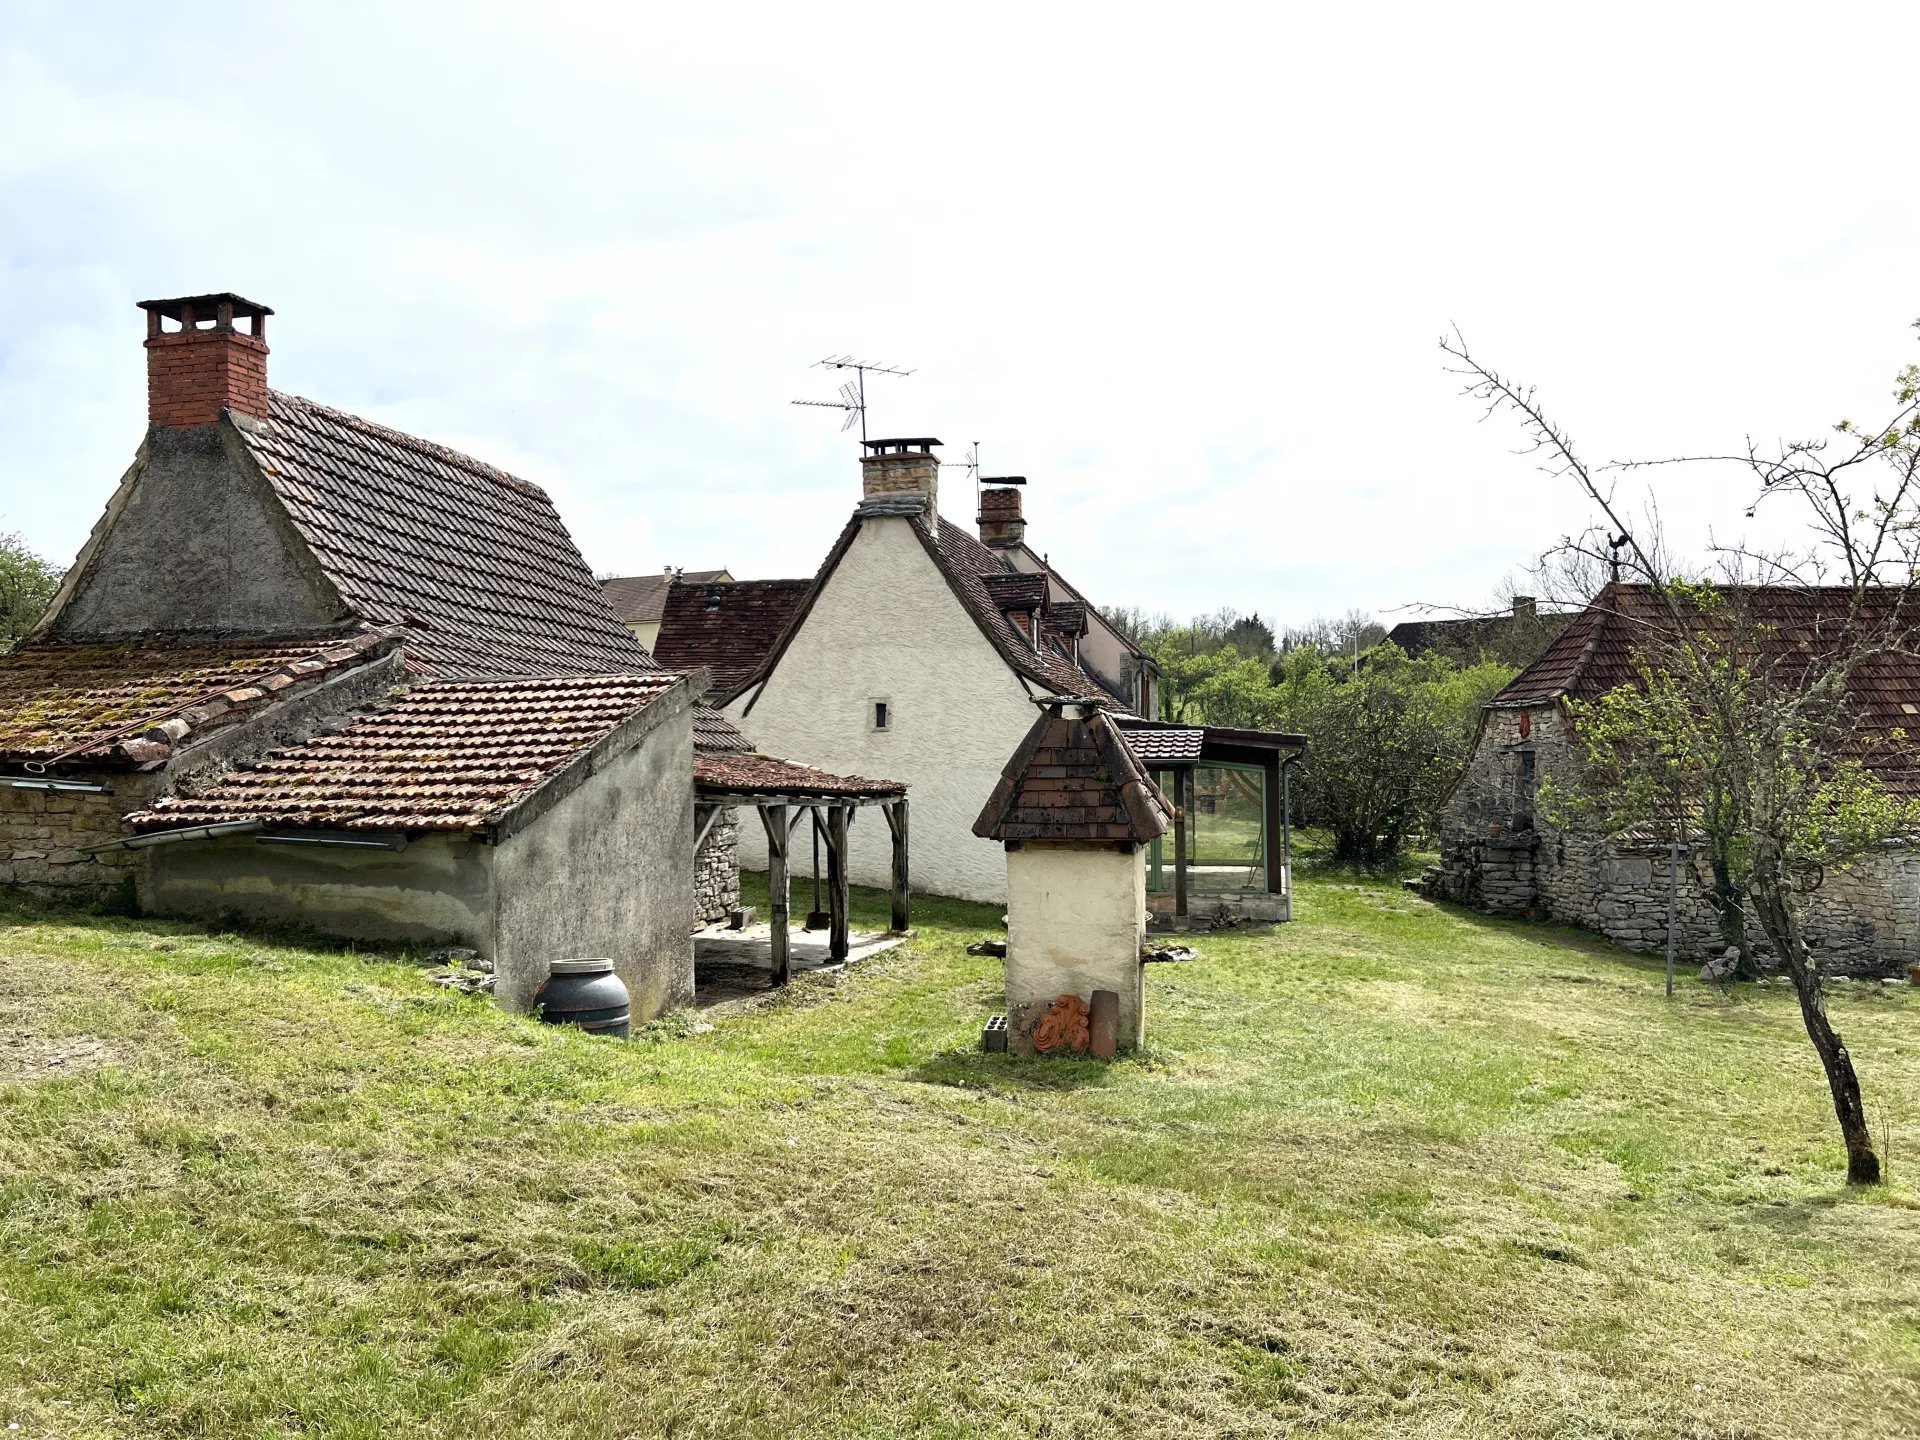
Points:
(473, 562)
(753, 774)
(1517, 637)
(443, 755)
(641, 599)
(1073, 778)
(727, 627)
(1596, 654)
(97, 703)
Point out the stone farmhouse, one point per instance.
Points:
(1500, 854)
(919, 649)
(309, 670)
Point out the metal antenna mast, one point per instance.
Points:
(853, 394)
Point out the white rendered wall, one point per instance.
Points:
(888, 627)
(1075, 918)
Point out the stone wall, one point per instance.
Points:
(1499, 856)
(43, 834)
(716, 871)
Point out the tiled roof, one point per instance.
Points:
(473, 561)
(1158, 746)
(715, 733)
(763, 775)
(1073, 778)
(640, 599)
(729, 627)
(1515, 639)
(968, 563)
(102, 700)
(1796, 627)
(1015, 592)
(443, 755)
(1068, 617)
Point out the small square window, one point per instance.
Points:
(882, 715)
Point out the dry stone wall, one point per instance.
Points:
(716, 871)
(44, 835)
(1499, 856)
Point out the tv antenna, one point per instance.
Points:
(853, 394)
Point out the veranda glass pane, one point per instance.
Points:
(1226, 836)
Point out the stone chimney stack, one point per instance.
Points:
(1525, 607)
(1001, 524)
(204, 364)
(898, 470)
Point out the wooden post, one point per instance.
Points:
(774, 819)
(1183, 799)
(1270, 825)
(896, 813)
(839, 898)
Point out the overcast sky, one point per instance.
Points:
(1183, 266)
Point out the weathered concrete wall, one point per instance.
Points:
(607, 871)
(42, 834)
(1075, 918)
(888, 627)
(438, 890)
(716, 871)
(193, 541)
(1498, 855)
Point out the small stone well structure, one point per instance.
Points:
(1075, 812)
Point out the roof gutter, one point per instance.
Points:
(170, 837)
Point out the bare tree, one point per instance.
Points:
(1746, 721)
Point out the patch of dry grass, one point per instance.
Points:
(1388, 1171)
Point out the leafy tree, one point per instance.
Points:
(27, 584)
(1746, 739)
(1385, 742)
(1250, 637)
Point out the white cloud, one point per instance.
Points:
(1185, 273)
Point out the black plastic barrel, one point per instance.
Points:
(585, 993)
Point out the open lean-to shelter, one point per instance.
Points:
(312, 671)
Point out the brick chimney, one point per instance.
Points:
(895, 470)
(1001, 524)
(204, 365)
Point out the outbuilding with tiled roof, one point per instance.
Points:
(313, 671)
(1503, 853)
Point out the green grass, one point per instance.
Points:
(1389, 1171)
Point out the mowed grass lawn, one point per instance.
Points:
(1390, 1171)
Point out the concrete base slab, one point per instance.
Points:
(729, 964)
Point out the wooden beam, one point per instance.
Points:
(839, 898)
(1183, 800)
(774, 819)
(896, 814)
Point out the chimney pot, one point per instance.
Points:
(197, 370)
